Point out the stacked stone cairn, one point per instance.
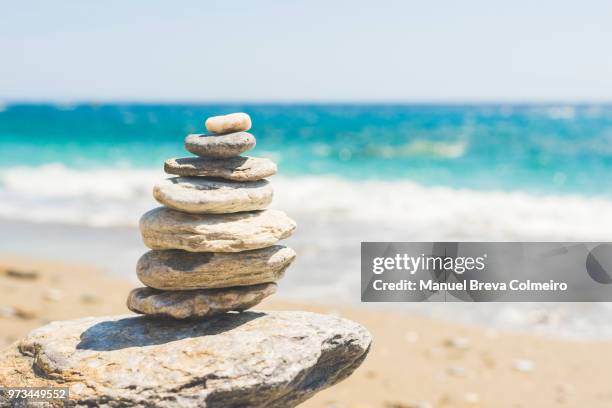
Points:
(213, 251)
(213, 243)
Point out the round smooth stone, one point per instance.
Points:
(240, 168)
(164, 228)
(200, 195)
(220, 146)
(197, 303)
(175, 269)
(234, 122)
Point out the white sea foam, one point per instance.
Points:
(561, 112)
(421, 148)
(54, 193)
(56, 180)
(118, 196)
(440, 213)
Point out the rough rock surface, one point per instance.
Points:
(234, 122)
(200, 195)
(241, 168)
(163, 228)
(187, 304)
(175, 269)
(249, 359)
(220, 146)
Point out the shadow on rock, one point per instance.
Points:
(142, 331)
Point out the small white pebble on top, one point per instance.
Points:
(234, 122)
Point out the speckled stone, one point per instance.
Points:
(235, 360)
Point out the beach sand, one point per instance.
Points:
(414, 361)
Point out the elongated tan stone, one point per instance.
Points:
(234, 122)
(200, 195)
(197, 303)
(175, 269)
(220, 146)
(164, 228)
(240, 168)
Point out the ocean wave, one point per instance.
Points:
(58, 194)
(420, 148)
(409, 211)
(441, 213)
(567, 112)
(57, 180)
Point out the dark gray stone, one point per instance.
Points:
(220, 146)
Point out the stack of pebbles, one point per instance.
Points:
(213, 242)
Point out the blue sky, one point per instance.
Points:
(451, 51)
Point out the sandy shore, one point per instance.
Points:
(415, 362)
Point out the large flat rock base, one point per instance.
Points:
(248, 359)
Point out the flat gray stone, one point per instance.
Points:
(240, 168)
(164, 228)
(191, 304)
(235, 360)
(175, 269)
(200, 195)
(234, 122)
(220, 146)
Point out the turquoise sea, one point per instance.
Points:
(469, 170)
(532, 148)
(75, 179)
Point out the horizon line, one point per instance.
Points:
(425, 102)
